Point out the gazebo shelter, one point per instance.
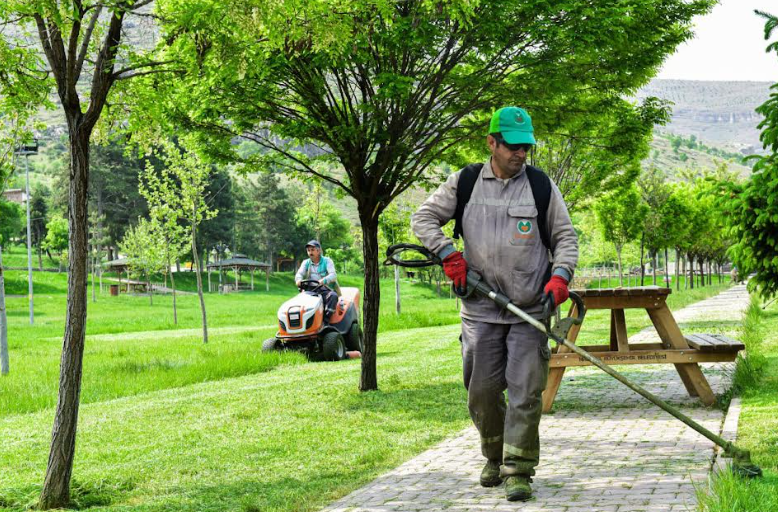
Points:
(238, 263)
(122, 265)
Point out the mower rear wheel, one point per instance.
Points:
(333, 348)
(270, 345)
(354, 338)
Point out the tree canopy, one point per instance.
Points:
(388, 89)
(752, 208)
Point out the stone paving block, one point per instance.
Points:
(628, 457)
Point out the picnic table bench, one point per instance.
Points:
(685, 352)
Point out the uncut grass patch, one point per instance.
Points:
(134, 347)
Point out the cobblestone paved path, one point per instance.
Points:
(606, 449)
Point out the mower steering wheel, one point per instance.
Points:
(310, 285)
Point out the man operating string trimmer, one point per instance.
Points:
(516, 229)
(518, 236)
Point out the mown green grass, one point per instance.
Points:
(16, 256)
(283, 440)
(756, 380)
(169, 424)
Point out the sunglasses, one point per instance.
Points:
(514, 147)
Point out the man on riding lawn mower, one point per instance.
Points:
(322, 269)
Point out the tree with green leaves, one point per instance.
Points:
(166, 223)
(621, 215)
(77, 48)
(144, 247)
(178, 190)
(113, 189)
(22, 89)
(387, 89)
(751, 207)
(57, 239)
(327, 223)
(219, 197)
(656, 234)
(266, 223)
(587, 154)
(39, 217)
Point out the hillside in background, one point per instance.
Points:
(719, 113)
(684, 162)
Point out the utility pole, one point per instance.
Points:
(26, 150)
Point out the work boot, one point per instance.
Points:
(517, 488)
(490, 475)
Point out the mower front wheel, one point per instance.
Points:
(270, 345)
(333, 348)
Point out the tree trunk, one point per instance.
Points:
(642, 264)
(621, 275)
(397, 289)
(652, 257)
(691, 272)
(148, 286)
(172, 284)
(56, 485)
(99, 256)
(667, 270)
(4, 366)
(702, 272)
(92, 279)
(677, 268)
(40, 253)
(369, 379)
(196, 262)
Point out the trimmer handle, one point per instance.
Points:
(549, 308)
(579, 308)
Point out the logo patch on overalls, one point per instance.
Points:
(523, 230)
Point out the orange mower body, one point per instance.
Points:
(302, 326)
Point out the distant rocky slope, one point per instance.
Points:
(721, 113)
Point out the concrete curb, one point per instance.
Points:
(728, 432)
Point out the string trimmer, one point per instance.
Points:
(741, 459)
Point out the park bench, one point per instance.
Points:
(715, 343)
(685, 352)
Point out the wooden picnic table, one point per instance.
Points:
(685, 352)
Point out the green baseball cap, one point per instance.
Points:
(514, 124)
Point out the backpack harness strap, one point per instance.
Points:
(541, 191)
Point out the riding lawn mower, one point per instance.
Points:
(302, 325)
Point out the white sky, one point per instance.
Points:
(728, 44)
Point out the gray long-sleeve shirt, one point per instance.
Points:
(501, 239)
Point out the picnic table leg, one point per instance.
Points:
(555, 374)
(619, 340)
(691, 374)
(613, 343)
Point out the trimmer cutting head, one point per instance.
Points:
(742, 465)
